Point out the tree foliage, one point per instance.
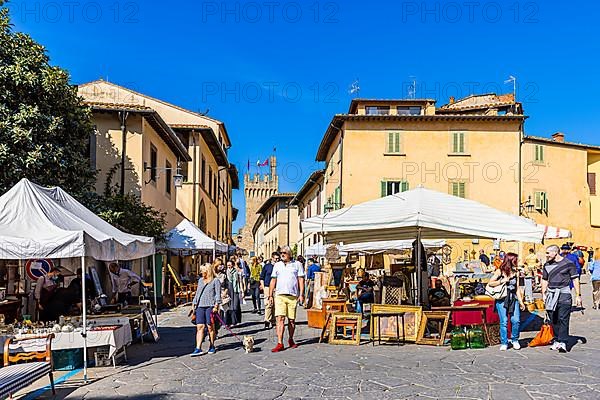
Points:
(44, 127)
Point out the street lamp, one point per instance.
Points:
(329, 206)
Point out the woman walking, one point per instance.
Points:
(206, 301)
(255, 270)
(234, 286)
(511, 305)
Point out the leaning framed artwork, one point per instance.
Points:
(433, 326)
(412, 321)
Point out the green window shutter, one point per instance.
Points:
(537, 153)
(454, 187)
(455, 142)
(542, 153)
(538, 200)
(383, 188)
(546, 203)
(404, 186)
(390, 147)
(461, 143)
(462, 189)
(397, 142)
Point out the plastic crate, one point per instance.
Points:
(67, 360)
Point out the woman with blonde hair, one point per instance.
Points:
(206, 301)
(255, 270)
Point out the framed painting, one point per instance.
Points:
(410, 328)
(345, 322)
(433, 326)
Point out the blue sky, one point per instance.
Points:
(276, 71)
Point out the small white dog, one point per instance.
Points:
(249, 344)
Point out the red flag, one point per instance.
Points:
(264, 164)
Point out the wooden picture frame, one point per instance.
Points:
(442, 317)
(412, 321)
(354, 318)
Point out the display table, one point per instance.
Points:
(115, 337)
(376, 316)
(474, 318)
(471, 313)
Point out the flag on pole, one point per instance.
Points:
(263, 163)
(248, 165)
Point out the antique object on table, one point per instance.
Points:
(396, 289)
(409, 327)
(345, 321)
(438, 318)
(471, 310)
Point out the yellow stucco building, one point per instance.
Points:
(162, 140)
(276, 225)
(475, 148)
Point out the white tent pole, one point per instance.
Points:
(84, 318)
(214, 252)
(418, 267)
(155, 288)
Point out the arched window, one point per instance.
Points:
(202, 217)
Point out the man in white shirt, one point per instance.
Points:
(287, 283)
(122, 280)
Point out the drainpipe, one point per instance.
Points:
(288, 223)
(521, 140)
(123, 117)
(194, 165)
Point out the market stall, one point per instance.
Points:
(187, 240)
(418, 215)
(47, 223)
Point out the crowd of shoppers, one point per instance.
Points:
(283, 283)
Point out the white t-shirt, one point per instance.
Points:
(287, 277)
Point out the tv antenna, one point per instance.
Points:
(412, 88)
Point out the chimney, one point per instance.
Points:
(452, 100)
(559, 137)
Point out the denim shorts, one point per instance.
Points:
(203, 315)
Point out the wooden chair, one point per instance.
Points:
(22, 368)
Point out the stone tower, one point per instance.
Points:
(257, 189)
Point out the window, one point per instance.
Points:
(591, 178)
(319, 210)
(458, 189)
(210, 180)
(92, 148)
(458, 142)
(408, 110)
(337, 197)
(153, 163)
(203, 173)
(215, 188)
(377, 110)
(392, 187)
(393, 143)
(541, 201)
(539, 153)
(169, 174)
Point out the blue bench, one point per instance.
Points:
(22, 368)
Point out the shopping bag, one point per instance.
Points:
(544, 337)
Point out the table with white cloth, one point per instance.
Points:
(115, 339)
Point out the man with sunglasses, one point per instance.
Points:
(287, 284)
(557, 275)
(265, 282)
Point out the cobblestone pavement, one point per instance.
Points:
(166, 371)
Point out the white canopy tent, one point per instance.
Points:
(38, 222)
(422, 214)
(389, 246)
(552, 232)
(186, 236)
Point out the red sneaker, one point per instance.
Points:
(278, 348)
(292, 344)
